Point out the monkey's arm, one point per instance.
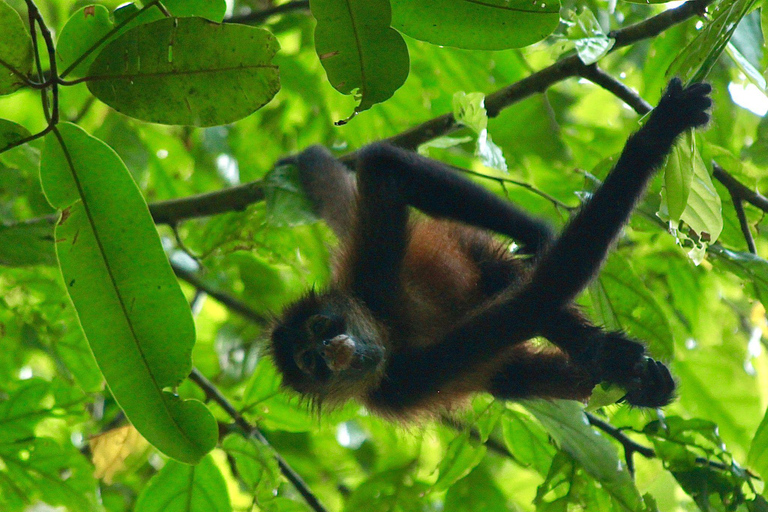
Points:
(578, 253)
(330, 186)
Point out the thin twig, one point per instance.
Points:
(737, 189)
(257, 17)
(599, 77)
(630, 446)
(214, 394)
(744, 224)
(225, 299)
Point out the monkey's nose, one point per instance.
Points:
(338, 352)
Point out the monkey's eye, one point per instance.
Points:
(319, 325)
(306, 361)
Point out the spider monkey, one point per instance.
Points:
(426, 309)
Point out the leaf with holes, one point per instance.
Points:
(187, 71)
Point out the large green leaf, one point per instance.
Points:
(15, 50)
(128, 301)
(360, 52)
(187, 71)
(477, 25)
(181, 488)
(758, 451)
(566, 423)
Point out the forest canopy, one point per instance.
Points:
(151, 228)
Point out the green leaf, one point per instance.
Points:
(477, 491)
(83, 30)
(287, 205)
(15, 50)
(748, 266)
(628, 304)
(461, 457)
(566, 423)
(27, 243)
(128, 301)
(11, 133)
(588, 37)
(469, 110)
(256, 465)
(702, 209)
(697, 59)
(42, 470)
(187, 71)
(22, 410)
(181, 488)
(527, 441)
(361, 54)
(477, 25)
(758, 451)
(678, 174)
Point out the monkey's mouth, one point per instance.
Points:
(343, 352)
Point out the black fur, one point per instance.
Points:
(522, 298)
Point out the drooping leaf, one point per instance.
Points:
(477, 25)
(15, 50)
(128, 301)
(361, 54)
(678, 174)
(187, 71)
(181, 488)
(696, 60)
(566, 423)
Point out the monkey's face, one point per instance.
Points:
(329, 347)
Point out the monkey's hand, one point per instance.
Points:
(680, 109)
(329, 186)
(616, 359)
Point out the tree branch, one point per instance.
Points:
(630, 446)
(738, 190)
(214, 394)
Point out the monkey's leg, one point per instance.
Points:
(611, 357)
(543, 374)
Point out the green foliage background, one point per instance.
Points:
(63, 437)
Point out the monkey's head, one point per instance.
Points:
(329, 347)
